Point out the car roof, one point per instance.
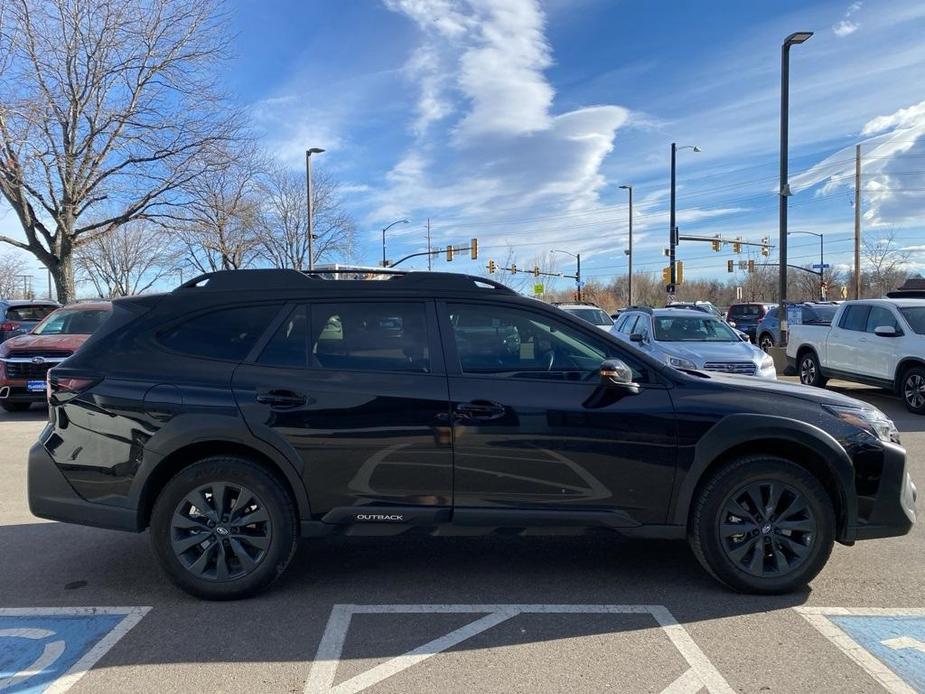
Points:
(901, 303)
(578, 306)
(91, 305)
(30, 302)
(682, 312)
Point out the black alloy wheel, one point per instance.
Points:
(220, 531)
(766, 528)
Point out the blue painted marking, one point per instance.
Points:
(55, 641)
(871, 632)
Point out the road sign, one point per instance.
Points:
(823, 266)
(579, 283)
(537, 288)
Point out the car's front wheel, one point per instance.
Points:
(224, 528)
(913, 389)
(811, 370)
(766, 341)
(763, 524)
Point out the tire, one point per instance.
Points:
(763, 558)
(912, 389)
(766, 341)
(810, 371)
(15, 406)
(241, 559)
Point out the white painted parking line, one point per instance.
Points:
(48, 649)
(897, 662)
(700, 675)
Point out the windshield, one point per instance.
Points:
(595, 316)
(746, 311)
(72, 322)
(915, 317)
(691, 329)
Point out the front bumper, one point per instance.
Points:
(892, 511)
(17, 392)
(51, 497)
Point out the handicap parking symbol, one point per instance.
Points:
(888, 643)
(49, 649)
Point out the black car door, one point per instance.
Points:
(358, 389)
(530, 428)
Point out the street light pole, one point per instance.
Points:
(673, 230)
(577, 257)
(385, 263)
(821, 259)
(784, 191)
(308, 205)
(629, 250)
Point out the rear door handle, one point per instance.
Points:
(481, 409)
(281, 398)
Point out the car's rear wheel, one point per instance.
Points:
(913, 389)
(224, 528)
(811, 371)
(763, 524)
(15, 406)
(766, 341)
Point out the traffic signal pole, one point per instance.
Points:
(672, 231)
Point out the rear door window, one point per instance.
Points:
(289, 345)
(369, 336)
(881, 316)
(228, 333)
(855, 317)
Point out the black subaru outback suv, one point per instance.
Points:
(247, 408)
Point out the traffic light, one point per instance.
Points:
(679, 272)
(717, 245)
(449, 254)
(536, 270)
(751, 265)
(730, 266)
(474, 249)
(491, 267)
(737, 246)
(666, 275)
(766, 246)
(513, 269)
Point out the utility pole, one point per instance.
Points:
(672, 232)
(308, 205)
(578, 274)
(629, 250)
(429, 257)
(857, 222)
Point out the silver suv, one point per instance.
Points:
(688, 339)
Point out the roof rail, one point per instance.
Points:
(237, 280)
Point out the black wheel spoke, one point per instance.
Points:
(756, 565)
(731, 529)
(804, 526)
(738, 553)
(796, 548)
(228, 525)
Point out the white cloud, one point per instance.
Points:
(893, 182)
(847, 26)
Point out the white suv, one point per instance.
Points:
(876, 341)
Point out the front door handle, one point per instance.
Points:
(281, 398)
(481, 409)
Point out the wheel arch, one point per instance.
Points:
(799, 442)
(185, 455)
(904, 364)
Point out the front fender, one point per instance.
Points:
(739, 429)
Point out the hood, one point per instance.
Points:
(702, 352)
(785, 388)
(40, 342)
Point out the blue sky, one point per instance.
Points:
(516, 121)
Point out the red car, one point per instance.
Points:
(25, 359)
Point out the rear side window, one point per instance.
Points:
(855, 317)
(289, 345)
(28, 313)
(881, 316)
(370, 336)
(228, 333)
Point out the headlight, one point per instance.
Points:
(869, 419)
(679, 363)
(767, 362)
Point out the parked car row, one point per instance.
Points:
(20, 316)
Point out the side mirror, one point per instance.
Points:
(616, 375)
(637, 337)
(885, 331)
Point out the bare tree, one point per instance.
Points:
(883, 265)
(218, 230)
(12, 268)
(128, 260)
(105, 107)
(282, 216)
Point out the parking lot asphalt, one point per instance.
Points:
(423, 614)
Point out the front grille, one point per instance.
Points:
(31, 370)
(746, 368)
